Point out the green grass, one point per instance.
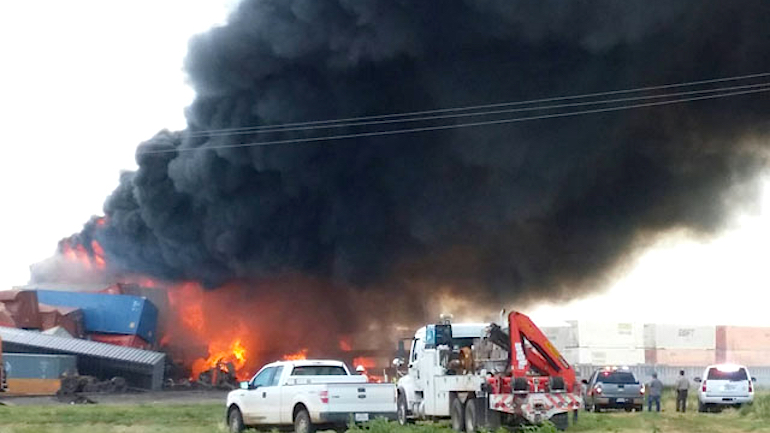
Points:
(165, 418)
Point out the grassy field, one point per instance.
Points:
(208, 418)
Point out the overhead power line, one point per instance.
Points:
(267, 130)
(458, 125)
(484, 106)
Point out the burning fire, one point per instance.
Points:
(234, 328)
(79, 254)
(302, 354)
(227, 342)
(235, 354)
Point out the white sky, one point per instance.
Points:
(83, 82)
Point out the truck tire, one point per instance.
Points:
(457, 413)
(401, 409)
(561, 421)
(471, 416)
(302, 422)
(702, 407)
(235, 420)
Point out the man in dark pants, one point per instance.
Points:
(654, 391)
(682, 386)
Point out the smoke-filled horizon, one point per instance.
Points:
(518, 211)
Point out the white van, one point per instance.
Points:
(725, 385)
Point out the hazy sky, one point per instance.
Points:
(83, 82)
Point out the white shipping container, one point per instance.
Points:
(560, 336)
(621, 335)
(604, 356)
(679, 337)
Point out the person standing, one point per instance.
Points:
(655, 391)
(682, 386)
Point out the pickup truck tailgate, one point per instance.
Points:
(362, 397)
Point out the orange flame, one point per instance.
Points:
(302, 354)
(234, 353)
(345, 345)
(365, 362)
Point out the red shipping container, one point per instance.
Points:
(121, 340)
(5, 318)
(740, 338)
(115, 289)
(22, 305)
(749, 358)
(71, 319)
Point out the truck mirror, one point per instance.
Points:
(753, 379)
(697, 379)
(398, 362)
(244, 385)
(584, 382)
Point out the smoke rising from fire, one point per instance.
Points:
(507, 211)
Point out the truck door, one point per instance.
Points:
(271, 398)
(255, 407)
(415, 358)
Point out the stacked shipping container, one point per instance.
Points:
(108, 314)
(676, 345)
(743, 345)
(584, 342)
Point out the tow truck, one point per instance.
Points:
(482, 376)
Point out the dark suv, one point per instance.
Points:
(613, 388)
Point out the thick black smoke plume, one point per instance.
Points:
(514, 210)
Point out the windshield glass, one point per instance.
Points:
(620, 377)
(716, 374)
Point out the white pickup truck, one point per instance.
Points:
(307, 394)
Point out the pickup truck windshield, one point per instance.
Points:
(318, 370)
(620, 377)
(716, 374)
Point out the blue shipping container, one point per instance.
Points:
(112, 314)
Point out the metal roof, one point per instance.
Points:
(80, 347)
(127, 360)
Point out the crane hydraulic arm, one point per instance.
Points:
(539, 356)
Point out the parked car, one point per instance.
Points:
(725, 385)
(307, 394)
(613, 388)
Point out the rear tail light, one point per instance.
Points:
(704, 386)
(751, 388)
(598, 390)
(641, 390)
(324, 396)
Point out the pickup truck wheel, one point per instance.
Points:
(457, 414)
(401, 411)
(235, 420)
(302, 422)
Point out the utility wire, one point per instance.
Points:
(266, 130)
(485, 106)
(455, 126)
